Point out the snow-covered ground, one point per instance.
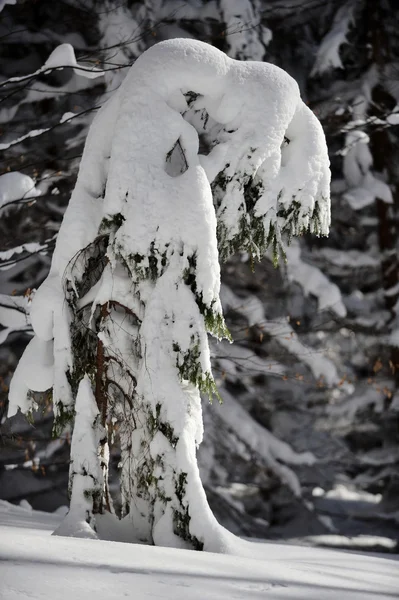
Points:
(35, 565)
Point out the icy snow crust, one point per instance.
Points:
(265, 140)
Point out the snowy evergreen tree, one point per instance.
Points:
(369, 174)
(356, 64)
(133, 289)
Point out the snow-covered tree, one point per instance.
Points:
(372, 106)
(133, 288)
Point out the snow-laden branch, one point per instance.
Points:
(262, 442)
(314, 282)
(66, 118)
(6, 256)
(328, 52)
(16, 186)
(62, 57)
(14, 315)
(3, 3)
(252, 309)
(246, 37)
(364, 185)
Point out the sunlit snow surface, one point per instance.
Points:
(37, 566)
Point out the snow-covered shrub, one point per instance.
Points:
(134, 285)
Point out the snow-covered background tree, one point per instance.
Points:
(312, 359)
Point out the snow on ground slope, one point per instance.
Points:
(35, 565)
